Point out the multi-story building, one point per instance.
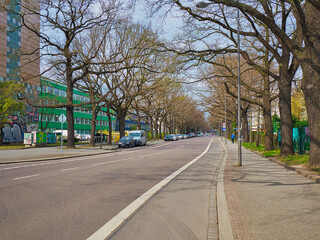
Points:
(50, 92)
(19, 47)
(48, 119)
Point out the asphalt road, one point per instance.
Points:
(72, 198)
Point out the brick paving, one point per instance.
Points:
(239, 225)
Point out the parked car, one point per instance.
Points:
(139, 137)
(167, 137)
(191, 135)
(179, 136)
(170, 137)
(126, 141)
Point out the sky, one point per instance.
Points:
(168, 26)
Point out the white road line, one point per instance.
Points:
(27, 177)
(122, 160)
(68, 169)
(107, 229)
(126, 159)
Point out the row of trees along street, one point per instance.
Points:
(279, 41)
(95, 47)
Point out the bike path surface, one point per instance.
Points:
(181, 209)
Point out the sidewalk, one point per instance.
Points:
(48, 153)
(268, 201)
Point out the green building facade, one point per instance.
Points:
(52, 92)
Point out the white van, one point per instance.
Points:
(139, 137)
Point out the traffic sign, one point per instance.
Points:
(62, 118)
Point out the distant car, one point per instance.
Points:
(179, 136)
(170, 137)
(139, 137)
(167, 137)
(127, 141)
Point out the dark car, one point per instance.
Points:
(127, 141)
(170, 137)
(167, 138)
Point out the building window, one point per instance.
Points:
(50, 90)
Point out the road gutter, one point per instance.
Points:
(224, 222)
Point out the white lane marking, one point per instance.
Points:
(107, 229)
(27, 177)
(68, 169)
(126, 159)
(122, 160)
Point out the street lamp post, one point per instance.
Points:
(225, 116)
(101, 127)
(239, 94)
(204, 5)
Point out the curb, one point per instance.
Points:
(314, 177)
(115, 149)
(56, 158)
(304, 172)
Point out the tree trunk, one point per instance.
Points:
(160, 130)
(268, 141)
(1, 136)
(69, 108)
(244, 123)
(285, 112)
(121, 114)
(93, 126)
(311, 84)
(110, 126)
(139, 123)
(156, 127)
(151, 128)
(258, 129)
(147, 126)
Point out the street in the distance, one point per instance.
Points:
(72, 198)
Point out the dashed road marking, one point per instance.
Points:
(35, 175)
(69, 169)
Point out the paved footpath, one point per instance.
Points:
(267, 201)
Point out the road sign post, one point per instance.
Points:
(62, 120)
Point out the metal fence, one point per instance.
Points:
(301, 140)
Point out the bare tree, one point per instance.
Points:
(299, 38)
(63, 22)
(132, 46)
